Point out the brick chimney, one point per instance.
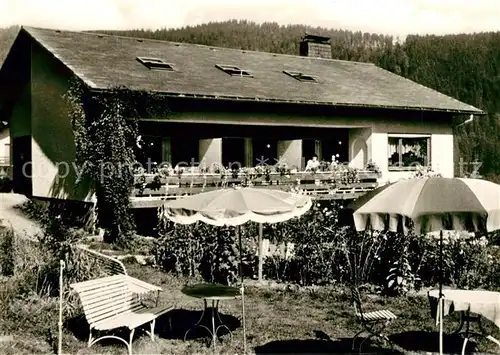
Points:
(316, 46)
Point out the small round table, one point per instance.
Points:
(213, 293)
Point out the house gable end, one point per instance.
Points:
(15, 74)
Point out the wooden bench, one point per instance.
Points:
(116, 301)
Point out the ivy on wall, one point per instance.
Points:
(105, 126)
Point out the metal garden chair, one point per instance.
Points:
(373, 323)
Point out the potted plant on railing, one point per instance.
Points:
(373, 167)
(156, 183)
(179, 171)
(259, 171)
(235, 173)
(263, 173)
(247, 175)
(346, 174)
(267, 173)
(284, 172)
(352, 175)
(324, 166)
(283, 169)
(139, 180)
(165, 171)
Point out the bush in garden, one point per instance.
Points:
(29, 296)
(315, 247)
(466, 260)
(202, 250)
(5, 184)
(325, 251)
(404, 258)
(6, 251)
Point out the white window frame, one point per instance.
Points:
(402, 136)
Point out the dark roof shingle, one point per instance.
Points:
(104, 61)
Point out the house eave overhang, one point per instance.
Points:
(304, 102)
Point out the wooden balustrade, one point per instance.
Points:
(321, 185)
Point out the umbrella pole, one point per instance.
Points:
(242, 292)
(261, 232)
(441, 298)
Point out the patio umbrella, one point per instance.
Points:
(432, 204)
(234, 207)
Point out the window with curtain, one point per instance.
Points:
(406, 153)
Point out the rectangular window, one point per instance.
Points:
(406, 152)
(233, 70)
(155, 63)
(301, 76)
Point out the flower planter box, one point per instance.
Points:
(138, 179)
(368, 175)
(333, 184)
(170, 180)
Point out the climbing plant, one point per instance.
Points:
(105, 126)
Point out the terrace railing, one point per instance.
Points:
(347, 183)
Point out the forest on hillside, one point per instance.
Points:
(464, 66)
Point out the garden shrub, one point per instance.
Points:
(206, 251)
(6, 251)
(5, 184)
(466, 260)
(326, 251)
(29, 297)
(35, 209)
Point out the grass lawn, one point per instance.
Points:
(278, 321)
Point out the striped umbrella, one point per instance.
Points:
(432, 204)
(234, 207)
(237, 206)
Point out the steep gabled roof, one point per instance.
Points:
(7, 36)
(104, 61)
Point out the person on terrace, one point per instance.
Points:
(313, 164)
(334, 162)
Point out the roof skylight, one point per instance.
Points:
(155, 63)
(301, 76)
(233, 71)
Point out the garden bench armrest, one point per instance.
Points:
(141, 287)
